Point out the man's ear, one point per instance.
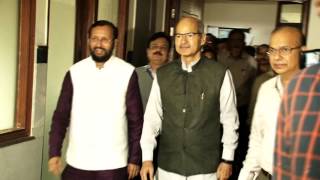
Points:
(115, 46)
(203, 39)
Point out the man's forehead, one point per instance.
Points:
(187, 24)
(158, 40)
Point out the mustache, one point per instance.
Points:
(97, 48)
(157, 53)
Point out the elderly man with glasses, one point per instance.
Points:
(284, 53)
(192, 99)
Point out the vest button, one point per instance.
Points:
(184, 110)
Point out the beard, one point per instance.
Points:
(103, 58)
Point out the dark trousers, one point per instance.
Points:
(71, 173)
(241, 151)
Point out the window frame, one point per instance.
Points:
(303, 25)
(23, 111)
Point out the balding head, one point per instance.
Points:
(291, 33)
(191, 21)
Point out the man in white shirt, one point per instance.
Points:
(284, 53)
(190, 99)
(100, 106)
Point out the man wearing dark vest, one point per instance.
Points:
(192, 106)
(100, 104)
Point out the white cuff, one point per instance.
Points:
(228, 154)
(147, 155)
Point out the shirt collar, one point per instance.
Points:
(149, 70)
(93, 63)
(188, 67)
(279, 85)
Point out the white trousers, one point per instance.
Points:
(166, 175)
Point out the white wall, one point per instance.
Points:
(60, 58)
(108, 10)
(9, 34)
(23, 161)
(260, 17)
(313, 39)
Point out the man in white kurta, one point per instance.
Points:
(284, 53)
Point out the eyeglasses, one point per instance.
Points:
(283, 51)
(102, 40)
(189, 35)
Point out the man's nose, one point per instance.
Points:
(184, 39)
(277, 55)
(98, 43)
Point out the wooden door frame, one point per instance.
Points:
(86, 14)
(122, 28)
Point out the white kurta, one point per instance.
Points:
(262, 137)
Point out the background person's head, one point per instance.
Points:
(159, 45)
(102, 35)
(285, 50)
(189, 38)
(262, 58)
(236, 42)
(211, 40)
(208, 52)
(222, 45)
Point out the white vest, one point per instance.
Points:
(98, 138)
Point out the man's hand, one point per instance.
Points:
(55, 165)
(147, 170)
(133, 170)
(224, 171)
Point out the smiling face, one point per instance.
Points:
(189, 39)
(101, 43)
(158, 51)
(288, 41)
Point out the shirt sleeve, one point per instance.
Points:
(228, 117)
(134, 113)
(61, 117)
(152, 122)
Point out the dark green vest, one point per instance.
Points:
(190, 140)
